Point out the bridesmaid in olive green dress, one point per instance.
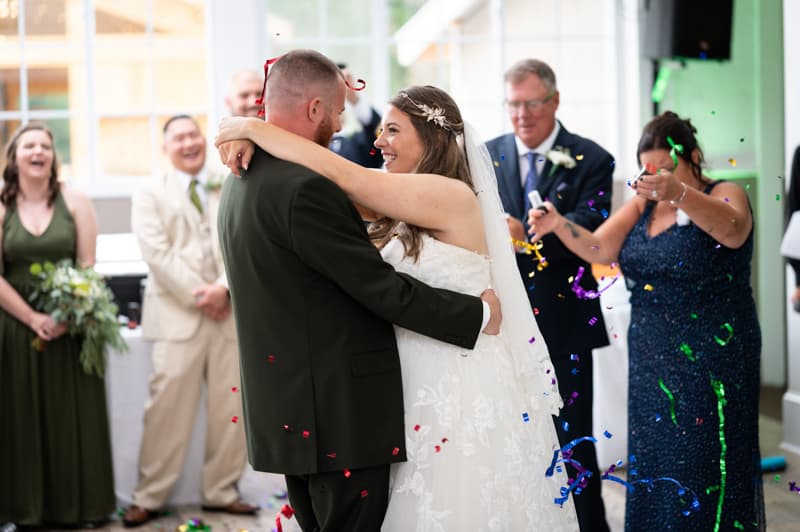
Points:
(55, 451)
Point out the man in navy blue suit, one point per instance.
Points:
(575, 174)
(357, 146)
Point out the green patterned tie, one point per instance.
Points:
(194, 196)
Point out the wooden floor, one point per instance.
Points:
(782, 505)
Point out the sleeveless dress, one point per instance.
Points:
(473, 462)
(694, 358)
(55, 451)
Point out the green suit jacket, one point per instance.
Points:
(314, 305)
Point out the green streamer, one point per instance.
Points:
(671, 400)
(675, 149)
(719, 391)
(686, 349)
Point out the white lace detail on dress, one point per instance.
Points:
(473, 463)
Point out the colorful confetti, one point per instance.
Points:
(671, 400)
(582, 293)
(675, 149)
(235, 419)
(727, 327)
(687, 350)
(719, 391)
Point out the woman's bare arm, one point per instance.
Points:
(426, 200)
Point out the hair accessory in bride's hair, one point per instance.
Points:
(433, 114)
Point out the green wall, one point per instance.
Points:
(737, 108)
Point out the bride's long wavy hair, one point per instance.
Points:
(443, 154)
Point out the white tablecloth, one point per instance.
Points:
(127, 381)
(611, 378)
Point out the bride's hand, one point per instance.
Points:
(542, 220)
(236, 154)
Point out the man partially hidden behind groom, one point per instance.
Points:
(314, 305)
(580, 188)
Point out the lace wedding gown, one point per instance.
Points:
(474, 462)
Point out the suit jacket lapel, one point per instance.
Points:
(549, 175)
(176, 191)
(212, 199)
(510, 178)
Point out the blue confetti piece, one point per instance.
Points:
(658, 418)
(525, 417)
(565, 426)
(502, 157)
(607, 434)
(574, 371)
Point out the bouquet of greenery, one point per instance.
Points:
(80, 298)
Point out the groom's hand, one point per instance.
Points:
(495, 314)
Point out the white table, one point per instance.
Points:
(611, 378)
(127, 381)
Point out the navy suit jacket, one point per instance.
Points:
(358, 147)
(583, 195)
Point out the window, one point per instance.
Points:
(104, 75)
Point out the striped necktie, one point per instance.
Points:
(531, 180)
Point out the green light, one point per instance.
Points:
(660, 85)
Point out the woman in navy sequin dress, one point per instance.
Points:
(685, 245)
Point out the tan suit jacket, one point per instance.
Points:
(171, 235)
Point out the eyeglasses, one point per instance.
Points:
(528, 105)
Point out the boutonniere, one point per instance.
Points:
(560, 156)
(214, 182)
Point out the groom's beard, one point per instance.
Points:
(324, 133)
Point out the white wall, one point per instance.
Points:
(791, 73)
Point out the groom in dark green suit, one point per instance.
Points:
(314, 305)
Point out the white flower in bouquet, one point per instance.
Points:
(80, 298)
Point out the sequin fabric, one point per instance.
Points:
(693, 322)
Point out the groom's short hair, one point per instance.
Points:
(298, 71)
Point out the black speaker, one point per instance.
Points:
(687, 29)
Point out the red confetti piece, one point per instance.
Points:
(235, 419)
(287, 511)
(271, 358)
(444, 440)
(395, 451)
(372, 151)
(234, 389)
(364, 493)
(437, 447)
(306, 434)
(331, 455)
(347, 473)
(286, 428)
(416, 428)
(698, 421)
(535, 311)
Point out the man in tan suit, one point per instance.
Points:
(187, 314)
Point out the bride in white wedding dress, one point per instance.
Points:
(479, 432)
